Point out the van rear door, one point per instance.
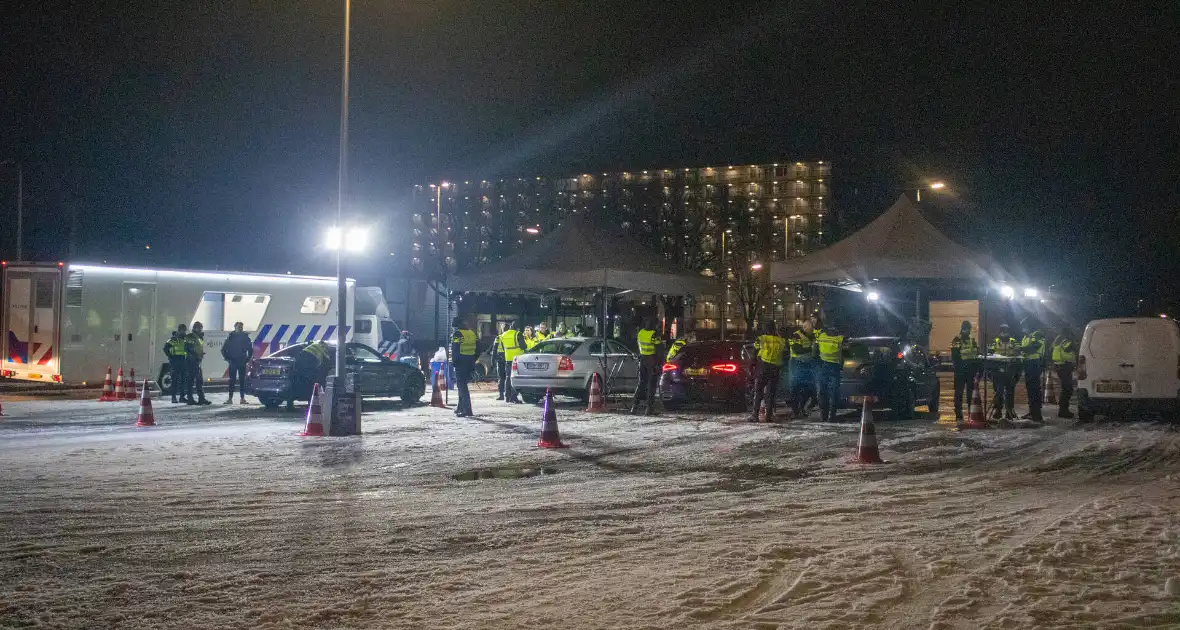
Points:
(31, 344)
(1133, 358)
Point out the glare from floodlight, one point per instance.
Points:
(873, 296)
(1031, 292)
(1008, 292)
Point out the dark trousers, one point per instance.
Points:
(178, 368)
(506, 381)
(463, 377)
(1004, 382)
(196, 380)
(829, 389)
(237, 375)
(766, 388)
(502, 369)
(646, 388)
(1065, 375)
(803, 387)
(965, 374)
(1032, 385)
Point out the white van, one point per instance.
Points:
(1129, 365)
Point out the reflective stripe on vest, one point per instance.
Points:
(467, 341)
(176, 347)
(676, 346)
(1065, 352)
(1008, 348)
(829, 347)
(968, 349)
(802, 346)
(647, 342)
(770, 349)
(1034, 339)
(510, 342)
(318, 351)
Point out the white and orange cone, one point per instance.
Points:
(120, 387)
(550, 435)
(436, 392)
(146, 417)
(129, 392)
(108, 388)
(314, 426)
(597, 403)
(866, 448)
(1051, 385)
(975, 412)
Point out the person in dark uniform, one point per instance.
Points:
(1032, 352)
(463, 351)
(498, 361)
(829, 344)
(308, 366)
(965, 358)
(237, 351)
(770, 362)
(802, 368)
(1065, 358)
(177, 352)
(649, 365)
(512, 343)
(1005, 375)
(195, 342)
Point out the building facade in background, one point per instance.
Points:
(721, 220)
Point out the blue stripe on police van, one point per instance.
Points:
(328, 333)
(296, 333)
(261, 336)
(312, 333)
(280, 332)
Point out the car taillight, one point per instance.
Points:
(728, 368)
(514, 365)
(1081, 368)
(669, 367)
(564, 364)
(901, 355)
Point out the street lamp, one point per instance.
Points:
(725, 298)
(873, 296)
(20, 204)
(756, 266)
(934, 185)
(341, 188)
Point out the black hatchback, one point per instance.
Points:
(706, 372)
(897, 375)
(288, 375)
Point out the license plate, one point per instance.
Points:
(272, 371)
(536, 366)
(696, 371)
(1113, 387)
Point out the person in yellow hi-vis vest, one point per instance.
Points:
(463, 351)
(649, 364)
(770, 362)
(829, 344)
(512, 341)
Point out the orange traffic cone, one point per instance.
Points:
(108, 389)
(597, 403)
(314, 427)
(762, 410)
(550, 436)
(129, 393)
(145, 418)
(975, 411)
(120, 387)
(436, 392)
(866, 448)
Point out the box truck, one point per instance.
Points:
(67, 323)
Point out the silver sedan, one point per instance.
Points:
(567, 366)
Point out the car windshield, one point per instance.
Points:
(871, 351)
(556, 346)
(289, 351)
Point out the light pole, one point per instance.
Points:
(725, 297)
(342, 173)
(438, 190)
(20, 204)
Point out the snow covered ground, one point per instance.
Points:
(221, 517)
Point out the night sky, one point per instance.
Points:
(211, 133)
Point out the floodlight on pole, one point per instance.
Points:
(1008, 292)
(873, 296)
(1031, 292)
(937, 185)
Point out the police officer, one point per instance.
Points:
(195, 342)
(829, 343)
(177, 352)
(649, 342)
(1032, 351)
(1065, 357)
(965, 358)
(802, 367)
(512, 342)
(770, 362)
(237, 351)
(308, 365)
(463, 352)
(530, 339)
(1005, 374)
(497, 353)
(542, 332)
(678, 344)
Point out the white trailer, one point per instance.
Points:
(68, 323)
(946, 318)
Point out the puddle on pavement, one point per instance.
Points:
(504, 473)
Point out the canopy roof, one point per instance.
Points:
(582, 254)
(902, 243)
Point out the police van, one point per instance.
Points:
(67, 323)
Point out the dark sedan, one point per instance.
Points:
(706, 372)
(898, 376)
(288, 375)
